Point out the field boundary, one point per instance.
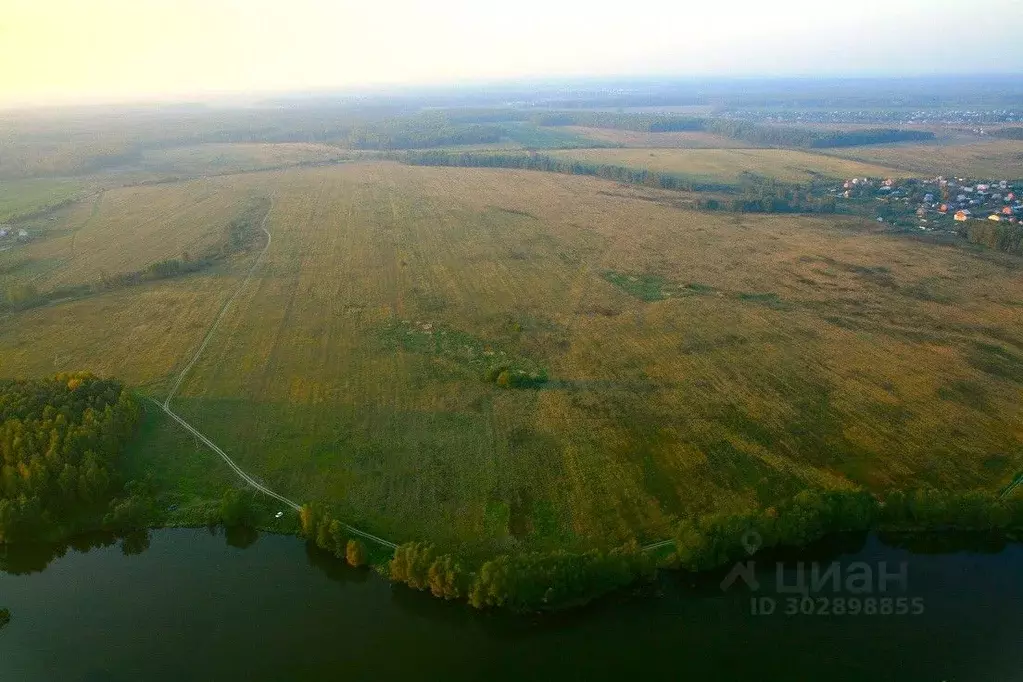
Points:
(166, 408)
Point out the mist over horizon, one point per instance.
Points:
(63, 52)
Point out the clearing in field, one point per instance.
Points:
(678, 362)
(680, 140)
(730, 165)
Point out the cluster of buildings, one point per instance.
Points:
(937, 198)
(890, 116)
(997, 201)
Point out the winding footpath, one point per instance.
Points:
(166, 405)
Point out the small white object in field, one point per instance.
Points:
(279, 515)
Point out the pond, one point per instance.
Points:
(191, 605)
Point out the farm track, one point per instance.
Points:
(165, 406)
(1018, 481)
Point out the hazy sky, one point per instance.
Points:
(60, 50)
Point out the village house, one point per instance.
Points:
(996, 217)
(963, 215)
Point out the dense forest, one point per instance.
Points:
(754, 133)
(1002, 236)
(813, 138)
(60, 440)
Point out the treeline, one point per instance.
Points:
(714, 540)
(647, 123)
(763, 195)
(239, 234)
(522, 582)
(539, 581)
(60, 440)
(753, 194)
(813, 138)
(1001, 236)
(1012, 133)
(542, 162)
(331, 535)
(754, 133)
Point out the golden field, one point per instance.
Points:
(697, 361)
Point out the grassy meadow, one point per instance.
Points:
(23, 197)
(126, 229)
(729, 165)
(680, 140)
(696, 361)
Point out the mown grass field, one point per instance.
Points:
(697, 361)
(991, 159)
(729, 165)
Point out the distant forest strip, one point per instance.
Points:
(1012, 133)
(238, 236)
(754, 194)
(541, 162)
(645, 123)
(754, 133)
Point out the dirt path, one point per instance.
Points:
(165, 406)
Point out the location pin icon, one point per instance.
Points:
(751, 541)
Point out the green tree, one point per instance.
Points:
(237, 508)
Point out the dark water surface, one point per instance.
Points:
(194, 607)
